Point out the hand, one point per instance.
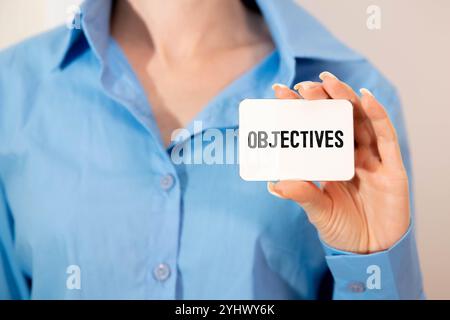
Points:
(371, 212)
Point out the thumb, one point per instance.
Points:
(314, 201)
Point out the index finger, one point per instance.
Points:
(283, 92)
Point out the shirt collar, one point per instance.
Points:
(94, 29)
(295, 32)
(298, 34)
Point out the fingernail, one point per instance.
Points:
(365, 91)
(271, 189)
(326, 74)
(278, 85)
(305, 85)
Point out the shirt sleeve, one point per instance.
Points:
(390, 274)
(12, 281)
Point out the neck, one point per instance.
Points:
(180, 29)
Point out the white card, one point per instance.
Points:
(296, 140)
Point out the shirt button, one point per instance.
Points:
(167, 181)
(161, 272)
(356, 287)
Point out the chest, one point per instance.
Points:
(94, 189)
(109, 207)
(177, 91)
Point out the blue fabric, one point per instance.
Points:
(85, 180)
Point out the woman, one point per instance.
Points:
(92, 205)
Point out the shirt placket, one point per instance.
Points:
(164, 229)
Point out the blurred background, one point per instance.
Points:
(411, 47)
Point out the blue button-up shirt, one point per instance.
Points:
(92, 204)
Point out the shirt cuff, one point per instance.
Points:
(390, 274)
